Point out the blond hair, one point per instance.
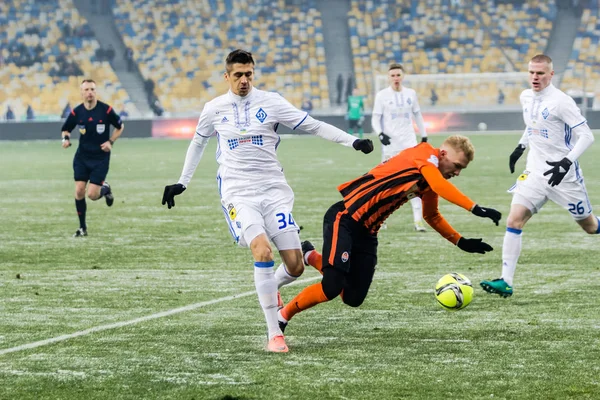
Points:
(461, 144)
(542, 58)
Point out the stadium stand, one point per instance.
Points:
(435, 36)
(583, 69)
(47, 49)
(186, 58)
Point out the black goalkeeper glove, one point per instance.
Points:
(364, 145)
(514, 157)
(170, 192)
(384, 139)
(490, 213)
(423, 139)
(473, 245)
(559, 170)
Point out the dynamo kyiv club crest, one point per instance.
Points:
(545, 113)
(261, 115)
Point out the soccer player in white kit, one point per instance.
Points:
(393, 113)
(255, 196)
(557, 135)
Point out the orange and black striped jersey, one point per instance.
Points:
(373, 197)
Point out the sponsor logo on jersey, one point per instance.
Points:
(545, 113)
(231, 211)
(82, 129)
(539, 132)
(409, 102)
(100, 128)
(261, 115)
(345, 256)
(434, 160)
(224, 120)
(256, 140)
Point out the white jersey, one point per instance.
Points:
(550, 117)
(246, 129)
(396, 109)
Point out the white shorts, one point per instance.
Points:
(533, 191)
(396, 146)
(250, 213)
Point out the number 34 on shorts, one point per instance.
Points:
(285, 220)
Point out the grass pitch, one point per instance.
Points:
(107, 290)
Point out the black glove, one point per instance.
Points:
(490, 213)
(559, 170)
(423, 139)
(364, 145)
(473, 245)
(514, 157)
(384, 139)
(170, 192)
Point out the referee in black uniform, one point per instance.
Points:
(90, 164)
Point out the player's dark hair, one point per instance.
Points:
(88, 81)
(396, 66)
(238, 56)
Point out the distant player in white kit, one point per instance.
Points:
(393, 113)
(255, 196)
(557, 135)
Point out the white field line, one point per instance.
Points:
(116, 325)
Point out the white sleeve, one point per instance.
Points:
(377, 114)
(204, 127)
(570, 113)
(330, 132)
(192, 158)
(204, 131)
(293, 118)
(289, 115)
(585, 138)
(524, 139)
(420, 124)
(326, 131)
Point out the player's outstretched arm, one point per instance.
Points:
(433, 217)
(451, 193)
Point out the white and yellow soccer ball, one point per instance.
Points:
(454, 291)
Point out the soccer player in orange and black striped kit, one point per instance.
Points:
(350, 226)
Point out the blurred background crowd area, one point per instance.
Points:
(166, 57)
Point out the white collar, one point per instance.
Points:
(238, 99)
(544, 92)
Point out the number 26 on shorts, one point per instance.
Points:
(576, 209)
(285, 220)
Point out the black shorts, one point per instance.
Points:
(355, 123)
(347, 245)
(90, 169)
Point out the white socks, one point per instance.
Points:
(417, 208)
(266, 288)
(282, 277)
(511, 250)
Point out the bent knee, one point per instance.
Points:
(353, 301)
(333, 282)
(515, 223)
(295, 270)
(261, 251)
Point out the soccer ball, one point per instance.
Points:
(454, 291)
(482, 126)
